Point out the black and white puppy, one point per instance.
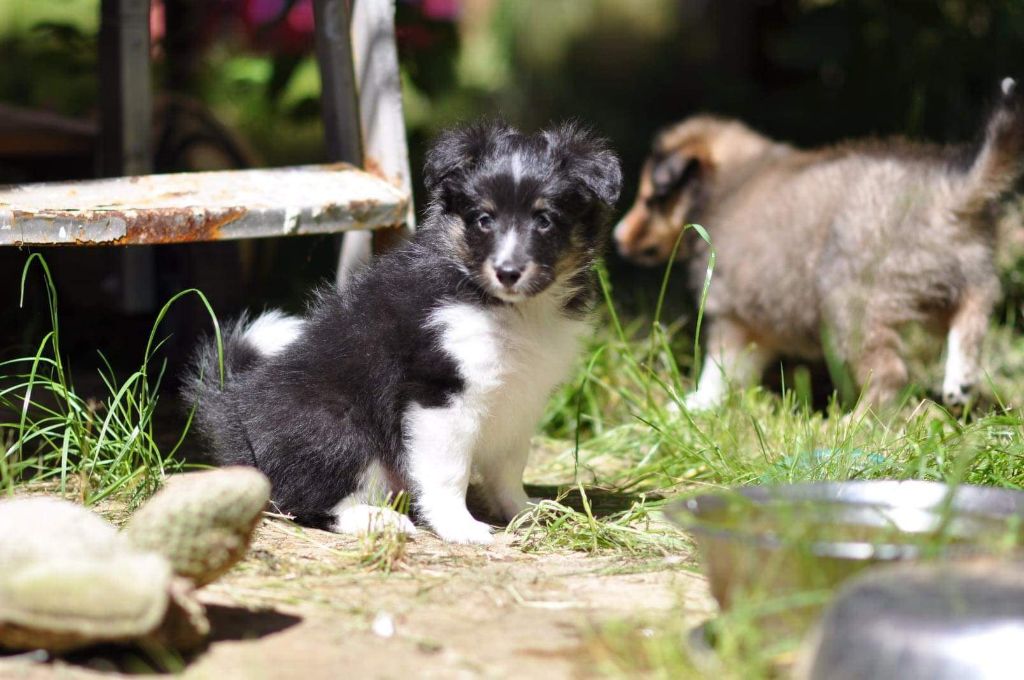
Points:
(433, 368)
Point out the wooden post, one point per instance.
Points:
(357, 37)
(126, 120)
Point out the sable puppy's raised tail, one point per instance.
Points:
(215, 415)
(1000, 160)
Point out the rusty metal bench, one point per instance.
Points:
(364, 128)
(200, 206)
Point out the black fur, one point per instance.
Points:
(670, 174)
(315, 415)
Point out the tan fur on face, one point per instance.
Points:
(455, 234)
(856, 239)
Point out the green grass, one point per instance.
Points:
(95, 447)
(618, 410)
(636, 531)
(617, 430)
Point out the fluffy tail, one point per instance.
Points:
(246, 343)
(1000, 160)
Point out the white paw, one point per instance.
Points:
(961, 372)
(956, 394)
(368, 519)
(468, 530)
(698, 401)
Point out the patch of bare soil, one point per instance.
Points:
(301, 606)
(304, 604)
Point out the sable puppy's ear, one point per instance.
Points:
(588, 159)
(456, 151)
(672, 172)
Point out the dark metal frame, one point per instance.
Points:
(361, 98)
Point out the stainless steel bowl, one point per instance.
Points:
(779, 540)
(922, 622)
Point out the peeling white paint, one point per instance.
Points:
(291, 219)
(260, 203)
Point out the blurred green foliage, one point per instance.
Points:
(810, 71)
(48, 54)
(807, 70)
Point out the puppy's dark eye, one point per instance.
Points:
(655, 202)
(543, 221)
(484, 222)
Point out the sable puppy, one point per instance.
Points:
(856, 240)
(434, 366)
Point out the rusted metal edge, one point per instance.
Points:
(156, 226)
(192, 207)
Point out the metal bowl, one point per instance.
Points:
(922, 622)
(779, 540)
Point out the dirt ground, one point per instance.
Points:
(305, 605)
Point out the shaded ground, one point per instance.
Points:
(305, 604)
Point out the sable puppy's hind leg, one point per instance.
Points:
(879, 368)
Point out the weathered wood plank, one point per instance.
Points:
(200, 206)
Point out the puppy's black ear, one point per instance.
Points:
(672, 172)
(588, 160)
(456, 151)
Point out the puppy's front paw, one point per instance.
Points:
(956, 392)
(468, 530)
(698, 401)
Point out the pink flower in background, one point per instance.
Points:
(157, 25)
(271, 26)
(293, 33)
(442, 10)
(300, 19)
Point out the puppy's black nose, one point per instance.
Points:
(507, 275)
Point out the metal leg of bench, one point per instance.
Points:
(338, 97)
(372, 60)
(356, 253)
(126, 119)
(126, 99)
(385, 150)
(340, 108)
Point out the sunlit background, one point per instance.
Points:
(810, 71)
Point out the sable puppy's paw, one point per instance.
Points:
(957, 387)
(696, 402)
(956, 394)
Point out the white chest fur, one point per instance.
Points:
(511, 358)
